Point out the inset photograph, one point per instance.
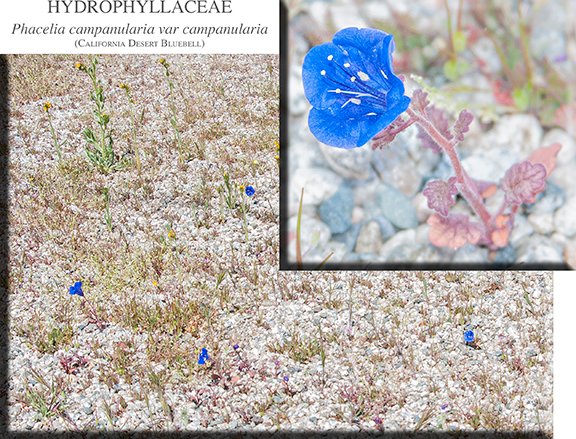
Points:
(439, 135)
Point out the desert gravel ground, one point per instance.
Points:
(169, 268)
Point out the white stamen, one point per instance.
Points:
(346, 64)
(322, 72)
(355, 93)
(371, 114)
(384, 74)
(353, 100)
(363, 76)
(330, 57)
(353, 78)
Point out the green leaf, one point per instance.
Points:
(459, 40)
(455, 68)
(523, 97)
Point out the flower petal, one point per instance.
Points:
(352, 88)
(352, 132)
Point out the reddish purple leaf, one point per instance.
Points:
(462, 125)
(523, 181)
(437, 118)
(420, 100)
(441, 195)
(387, 135)
(453, 231)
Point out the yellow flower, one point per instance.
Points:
(162, 61)
(241, 187)
(124, 86)
(79, 66)
(254, 162)
(47, 106)
(277, 157)
(171, 234)
(277, 145)
(154, 283)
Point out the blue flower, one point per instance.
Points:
(352, 87)
(203, 357)
(250, 191)
(76, 289)
(236, 347)
(469, 337)
(286, 378)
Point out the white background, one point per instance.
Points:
(564, 357)
(35, 13)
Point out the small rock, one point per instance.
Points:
(543, 223)
(369, 238)
(336, 212)
(470, 254)
(539, 249)
(401, 247)
(319, 184)
(522, 229)
(516, 136)
(350, 237)
(396, 207)
(568, 150)
(349, 163)
(565, 218)
(314, 234)
(506, 255)
(552, 198)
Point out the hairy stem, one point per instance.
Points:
(466, 185)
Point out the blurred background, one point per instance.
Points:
(511, 63)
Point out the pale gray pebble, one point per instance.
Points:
(565, 218)
(319, 184)
(352, 164)
(506, 255)
(550, 200)
(396, 207)
(522, 229)
(516, 136)
(543, 223)
(401, 247)
(539, 249)
(336, 211)
(369, 239)
(349, 237)
(568, 151)
(470, 254)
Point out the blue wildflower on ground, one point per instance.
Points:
(469, 337)
(352, 87)
(76, 289)
(250, 191)
(203, 357)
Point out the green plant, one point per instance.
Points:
(134, 143)
(99, 149)
(48, 401)
(228, 191)
(55, 141)
(173, 110)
